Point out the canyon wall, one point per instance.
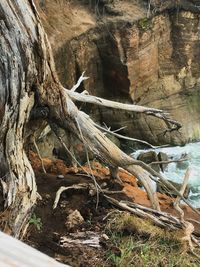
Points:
(152, 61)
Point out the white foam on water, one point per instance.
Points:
(176, 174)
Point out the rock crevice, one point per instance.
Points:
(151, 61)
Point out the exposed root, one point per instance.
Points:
(55, 130)
(64, 188)
(88, 162)
(71, 149)
(184, 231)
(161, 179)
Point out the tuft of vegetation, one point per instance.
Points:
(144, 24)
(36, 221)
(137, 242)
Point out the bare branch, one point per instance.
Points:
(80, 80)
(169, 161)
(64, 188)
(111, 104)
(127, 138)
(173, 124)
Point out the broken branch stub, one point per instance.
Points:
(80, 80)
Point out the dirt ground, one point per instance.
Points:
(49, 226)
(47, 239)
(53, 226)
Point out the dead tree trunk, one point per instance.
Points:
(24, 69)
(29, 88)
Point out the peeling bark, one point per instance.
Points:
(23, 67)
(29, 80)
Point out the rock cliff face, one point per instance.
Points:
(152, 61)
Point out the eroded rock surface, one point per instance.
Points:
(151, 61)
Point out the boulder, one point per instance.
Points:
(183, 164)
(148, 157)
(74, 219)
(163, 157)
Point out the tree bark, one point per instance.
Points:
(23, 69)
(28, 83)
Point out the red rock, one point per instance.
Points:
(51, 166)
(128, 178)
(137, 195)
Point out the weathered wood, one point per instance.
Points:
(111, 104)
(187, 226)
(87, 238)
(100, 144)
(26, 71)
(86, 98)
(27, 75)
(161, 219)
(14, 253)
(28, 79)
(64, 188)
(18, 75)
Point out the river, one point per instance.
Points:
(176, 173)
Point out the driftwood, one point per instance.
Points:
(88, 238)
(14, 253)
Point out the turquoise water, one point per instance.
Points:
(176, 173)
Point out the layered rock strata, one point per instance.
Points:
(132, 56)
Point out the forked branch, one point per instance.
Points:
(173, 124)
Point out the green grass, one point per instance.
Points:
(144, 24)
(36, 221)
(136, 242)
